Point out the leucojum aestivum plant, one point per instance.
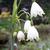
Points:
(28, 27)
(15, 24)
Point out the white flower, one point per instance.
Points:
(14, 34)
(32, 34)
(36, 10)
(15, 44)
(27, 25)
(20, 36)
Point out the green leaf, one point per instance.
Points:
(14, 8)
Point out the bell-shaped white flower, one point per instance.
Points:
(27, 25)
(36, 10)
(20, 36)
(14, 34)
(33, 34)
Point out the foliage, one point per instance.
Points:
(42, 45)
(10, 22)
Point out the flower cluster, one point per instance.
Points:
(31, 32)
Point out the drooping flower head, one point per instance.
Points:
(36, 10)
(27, 25)
(20, 36)
(32, 34)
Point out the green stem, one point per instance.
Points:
(20, 11)
(31, 22)
(19, 3)
(13, 17)
(19, 24)
(22, 20)
(21, 15)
